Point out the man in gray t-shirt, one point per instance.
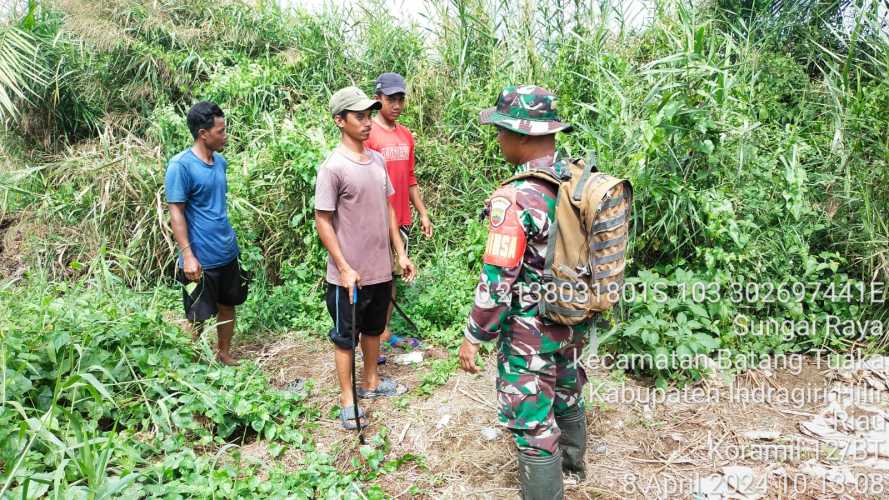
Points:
(356, 224)
(356, 192)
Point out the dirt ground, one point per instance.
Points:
(740, 436)
(17, 235)
(11, 237)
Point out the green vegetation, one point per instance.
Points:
(757, 146)
(101, 397)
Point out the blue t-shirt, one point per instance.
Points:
(202, 187)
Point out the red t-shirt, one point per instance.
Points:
(397, 148)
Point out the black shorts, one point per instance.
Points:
(226, 285)
(370, 313)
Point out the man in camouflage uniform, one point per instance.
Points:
(539, 379)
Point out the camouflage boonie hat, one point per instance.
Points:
(525, 109)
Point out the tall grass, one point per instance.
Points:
(18, 77)
(702, 110)
(756, 145)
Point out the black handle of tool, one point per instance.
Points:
(403, 315)
(354, 346)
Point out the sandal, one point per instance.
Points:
(347, 418)
(386, 388)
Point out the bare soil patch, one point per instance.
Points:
(641, 445)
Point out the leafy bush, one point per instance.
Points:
(102, 395)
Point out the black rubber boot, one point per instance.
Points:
(573, 442)
(541, 477)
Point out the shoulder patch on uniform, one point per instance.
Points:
(499, 206)
(506, 236)
(505, 246)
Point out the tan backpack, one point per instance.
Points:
(584, 269)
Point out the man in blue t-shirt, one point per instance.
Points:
(196, 188)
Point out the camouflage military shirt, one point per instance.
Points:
(507, 294)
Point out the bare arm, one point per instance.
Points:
(190, 265)
(417, 200)
(324, 225)
(415, 196)
(395, 236)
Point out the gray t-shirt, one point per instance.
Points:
(358, 195)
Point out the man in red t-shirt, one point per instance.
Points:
(396, 143)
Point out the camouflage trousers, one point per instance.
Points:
(533, 391)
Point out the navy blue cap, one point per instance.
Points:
(389, 83)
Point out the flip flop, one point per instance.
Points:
(386, 388)
(347, 418)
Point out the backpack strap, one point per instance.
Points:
(608, 243)
(548, 276)
(535, 174)
(588, 168)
